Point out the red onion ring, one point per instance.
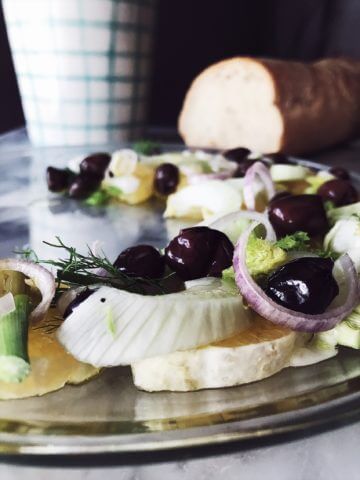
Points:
(275, 313)
(204, 177)
(257, 170)
(42, 278)
(222, 222)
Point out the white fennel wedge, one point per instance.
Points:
(115, 327)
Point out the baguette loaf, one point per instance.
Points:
(273, 105)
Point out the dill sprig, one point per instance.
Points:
(83, 270)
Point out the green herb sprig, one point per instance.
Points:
(297, 241)
(300, 241)
(146, 147)
(84, 270)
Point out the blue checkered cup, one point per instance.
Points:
(83, 67)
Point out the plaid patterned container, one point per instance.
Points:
(83, 67)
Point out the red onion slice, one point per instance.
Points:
(42, 278)
(263, 173)
(223, 222)
(7, 304)
(267, 308)
(197, 178)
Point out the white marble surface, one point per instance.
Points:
(326, 456)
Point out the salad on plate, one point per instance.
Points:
(266, 278)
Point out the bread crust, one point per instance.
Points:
(318, 103)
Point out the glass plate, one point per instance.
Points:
(108, 414)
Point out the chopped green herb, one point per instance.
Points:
(329, 205)
(146, 147)
(98, 198)
(113, 191)
(326, 254)
(297, 241)
(262, 256)
(110, 324)
(103, 196)
(81, 270)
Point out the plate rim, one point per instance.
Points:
(21, 439)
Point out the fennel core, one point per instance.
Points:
(14, 358)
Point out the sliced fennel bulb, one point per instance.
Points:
(288, 173)
(203, 200)
(145, 326)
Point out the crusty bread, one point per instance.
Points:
(272, 105)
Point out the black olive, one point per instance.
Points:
(199, 252)
(141, 261)
(237, 154)
(242, 168)
(166, 179)
(95, 164)
(80, 297)
(279, 158)
(279, 195)
(298, 212)
(305, 285)
(58, 179)
(84, 185)
(339, 191)
(340, 172)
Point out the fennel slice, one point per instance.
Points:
(146, 325)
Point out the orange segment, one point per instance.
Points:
(260, 331)
(51, 366)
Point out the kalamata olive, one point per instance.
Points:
(166, 179)
(199, 252)
(57, 179)
(340, 172)
(339, 191)
(305, 285)
(279, 195)
(279, 158)
(298, 212)
(141, 261)
(80, 297)
(243, 167)
(96, 163)
(84, 185)
(236, 154)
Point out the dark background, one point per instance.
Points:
(191, 34)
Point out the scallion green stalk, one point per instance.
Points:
(14, 358)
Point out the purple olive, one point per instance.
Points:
(278, 195)
(199, 252)
(58, 179)
(141, 261)
(339, 191)
(280, 158)
(80, 297)
(340, 172)
(298, 212)
(166, 179)
(95, 164)
(237, 154)
(305, 285)
(84, 185)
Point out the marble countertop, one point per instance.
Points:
(327, 455)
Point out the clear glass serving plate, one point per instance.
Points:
(108, 414)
